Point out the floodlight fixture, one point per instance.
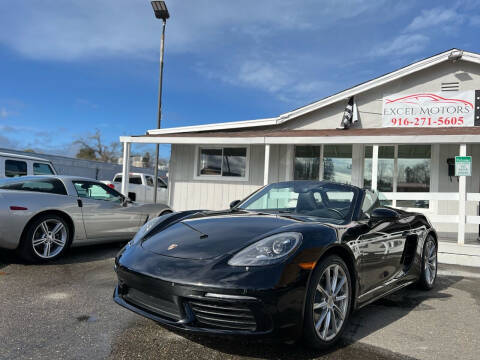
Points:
(160, 10)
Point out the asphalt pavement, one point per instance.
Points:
(64, 310)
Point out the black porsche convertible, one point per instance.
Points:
(294, 258)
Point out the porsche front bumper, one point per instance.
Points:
(198, 309)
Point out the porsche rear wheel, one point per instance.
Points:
(429, 264)
(46, 238)
(328, 303)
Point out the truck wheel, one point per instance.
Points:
(46, 238)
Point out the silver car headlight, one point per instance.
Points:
(149, 225)
(271, 250)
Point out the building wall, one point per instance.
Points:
(369, 103)
(447, 184)
(186, 192)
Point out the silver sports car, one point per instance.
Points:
(41, 216)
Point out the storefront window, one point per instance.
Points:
(228, 162)
(413, 173)
(307, 162)
(337, 163)
(386, 163)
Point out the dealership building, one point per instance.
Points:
(413, 134)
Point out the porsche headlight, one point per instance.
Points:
(271, 250)
(145, 229)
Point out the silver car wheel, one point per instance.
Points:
(330, 303)
(49, 238)
(430, 262)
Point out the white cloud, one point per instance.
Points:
(71, 29)
(434, 17)
(263, 75)
(38, 139)
(7, 143)
(4, 113)
(402, 45)
(278, 77)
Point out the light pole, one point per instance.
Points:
(161, 12)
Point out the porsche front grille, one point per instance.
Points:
(223, 315)
(155, 305)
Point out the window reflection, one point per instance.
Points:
(386, 163)
(307, 162)
(337, 163)
(413, 173)
(210, 162)
(228, 161)
(234, 161)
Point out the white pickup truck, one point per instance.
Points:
(140, 187)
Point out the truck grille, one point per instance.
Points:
(223, 315)
(155, 305)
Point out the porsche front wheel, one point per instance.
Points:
(328, 303)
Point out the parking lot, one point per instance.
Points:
(65, 310)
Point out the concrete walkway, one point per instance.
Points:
(449, 252)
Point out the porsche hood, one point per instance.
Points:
(209, 235)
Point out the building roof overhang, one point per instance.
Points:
(445, 135)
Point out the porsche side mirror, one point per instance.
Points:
(383, 214)
(234, 203)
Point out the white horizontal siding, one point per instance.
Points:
(188, 193)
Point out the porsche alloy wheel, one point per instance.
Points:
(329, 299)
(429, 264)
(331, 302)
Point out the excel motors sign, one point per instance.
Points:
(429, 110)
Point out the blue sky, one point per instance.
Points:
(70, 67)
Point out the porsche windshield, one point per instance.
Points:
(309, 198)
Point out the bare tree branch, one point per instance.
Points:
(93, 148)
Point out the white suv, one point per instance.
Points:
(13, 165)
